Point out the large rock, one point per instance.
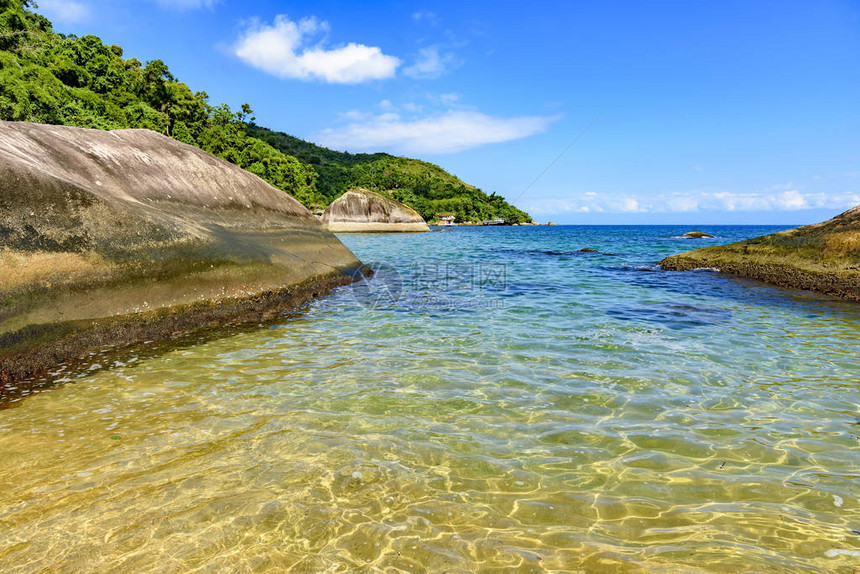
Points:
(361, 210)
(824, 257)
(119, 237)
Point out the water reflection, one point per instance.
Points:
(593, 422)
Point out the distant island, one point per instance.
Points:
(51, 78)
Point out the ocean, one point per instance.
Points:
(494, 399)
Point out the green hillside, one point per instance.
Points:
(425, 187)
(46, 77)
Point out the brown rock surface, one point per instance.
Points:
(824, 257)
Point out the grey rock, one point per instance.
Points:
(362, 210)
(117, 237)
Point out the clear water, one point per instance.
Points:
(494, 401)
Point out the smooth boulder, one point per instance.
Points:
(824, 257)
(362, 210)
(110, 238)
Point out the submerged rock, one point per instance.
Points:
(824, 257)
(672, 315)
(697, 235)
(109, 238)
(361, 210)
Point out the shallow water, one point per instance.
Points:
(494, 400)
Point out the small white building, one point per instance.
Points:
(446, 219)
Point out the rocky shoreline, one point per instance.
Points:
(35, 351)
(117, 238)
(824, 257)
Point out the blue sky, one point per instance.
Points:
(708, 112)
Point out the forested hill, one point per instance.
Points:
(425, 187)
(46, 77)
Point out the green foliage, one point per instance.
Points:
(425, 187)
(50, 78)
(140, 115)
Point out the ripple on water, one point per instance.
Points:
(593, 418)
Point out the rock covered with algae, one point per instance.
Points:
(824, 257)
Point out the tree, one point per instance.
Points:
(51, 78)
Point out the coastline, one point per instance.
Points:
(823, 257)
(146, 238)
(843, 283)
(374, 227)
(29, 355)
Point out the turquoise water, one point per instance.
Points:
(494, 400)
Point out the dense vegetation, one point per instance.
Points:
(425, 187)
(46, 77)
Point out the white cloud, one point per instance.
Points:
(281, 49)
(187, 4)
(427, 16)
(430, 63)
(763, 200)
(445, 132)
(684, 204)
(65, 11)
(630, 205)
(767, 201)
